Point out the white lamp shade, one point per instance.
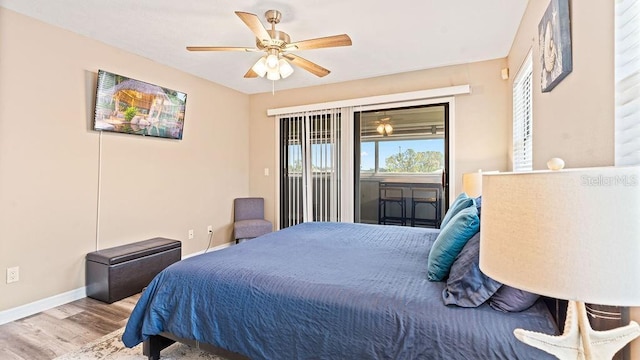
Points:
(472, 183)
(570, 234)
(260, 67)
(384, 129)
(285, 68)
(273, 74)
(272, 61)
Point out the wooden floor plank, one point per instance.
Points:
(6, 354)
(64, 311)
(67, 334)
(26, 349)
(63, 329)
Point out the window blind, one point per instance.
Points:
(627, 78)
(522, 117)
(311, 151)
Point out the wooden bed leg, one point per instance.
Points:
(153, 345)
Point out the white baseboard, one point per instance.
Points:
(216, 248)
(7, 316)
(35, 307)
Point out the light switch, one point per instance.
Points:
(266, 171)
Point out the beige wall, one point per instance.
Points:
(49, 160)
(480, 129)
(575, 121)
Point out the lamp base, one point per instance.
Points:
(579, 340)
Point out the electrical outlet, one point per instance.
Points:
(13, 274)
(209, 229)
(190, 234)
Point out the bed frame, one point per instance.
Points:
(156, 343)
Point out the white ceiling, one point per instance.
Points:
(388, 36)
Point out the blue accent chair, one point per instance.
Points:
(249, 221)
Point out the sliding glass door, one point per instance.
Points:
(406, 147)
(332, 163)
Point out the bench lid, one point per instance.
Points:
(122, 253)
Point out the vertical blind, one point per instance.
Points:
(310, 158)
(523, 117)
(627, 77)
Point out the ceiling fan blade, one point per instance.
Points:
(323, 42)
(311, 67)
(253, 22)
(250, 74)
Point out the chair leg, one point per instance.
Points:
(404, 210)
(413, 213)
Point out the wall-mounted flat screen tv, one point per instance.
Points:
(130, 106)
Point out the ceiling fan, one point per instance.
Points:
(278, 47)
(384, 127)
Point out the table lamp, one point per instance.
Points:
(570, 234)
(472, 183)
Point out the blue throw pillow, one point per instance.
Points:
(478, 202)
(510, 299)
(463, 201)
(450, 242)
(467, 286)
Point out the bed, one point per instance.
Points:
(324, 291)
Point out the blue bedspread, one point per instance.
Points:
(327, 291)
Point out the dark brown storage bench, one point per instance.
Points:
(119, 272)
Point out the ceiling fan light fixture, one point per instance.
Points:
(272, 61)
(384, 129)
(273, 74)
(260, 67)
(285, 68)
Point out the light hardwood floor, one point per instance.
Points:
(63, 329)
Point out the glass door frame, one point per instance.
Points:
(449, 155)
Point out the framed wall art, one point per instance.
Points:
(554, 39)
